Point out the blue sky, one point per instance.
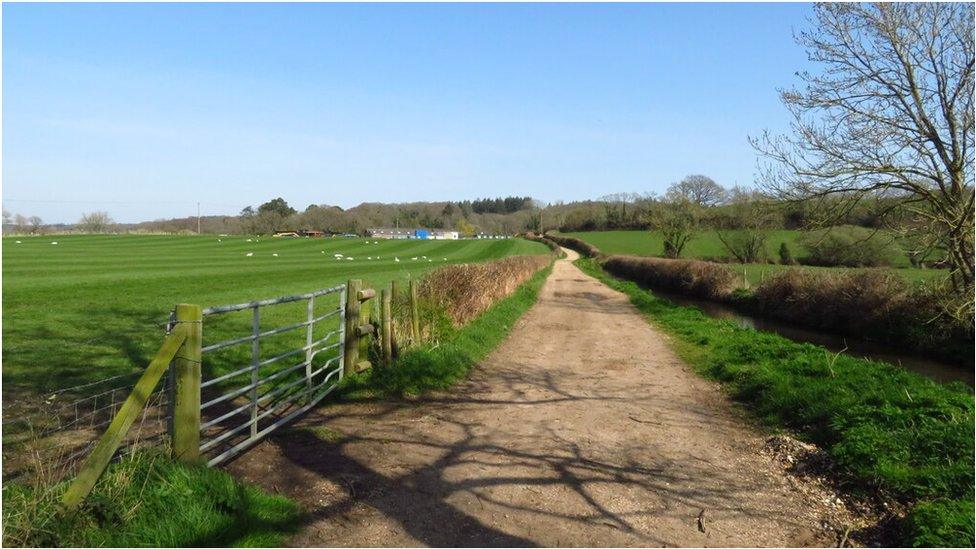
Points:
(144, 109)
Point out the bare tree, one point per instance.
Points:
(700, 190)
(36, 224)
(95, 222)
(20, 223)
(747, 226)
(677, 221)
(888, 118)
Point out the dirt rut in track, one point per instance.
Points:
(583, 428)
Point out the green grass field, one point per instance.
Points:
(708, 245)
(149, 500)
(91, 306)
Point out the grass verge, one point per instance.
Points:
(147, 499)
(438, 366)
(887, 428)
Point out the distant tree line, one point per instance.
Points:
(509, 204)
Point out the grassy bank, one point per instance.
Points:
(438, 366)
(147, 499)
(888, 429)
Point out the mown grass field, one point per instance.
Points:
(133, 504)
(92, 306)
(707, 245)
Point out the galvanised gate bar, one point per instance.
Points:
(225, 396)
(282, 372)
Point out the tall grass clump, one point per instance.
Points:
(699, 278)
(147, 499)
(887, 429)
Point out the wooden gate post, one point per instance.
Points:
(101, 455)
(186, 393)
(365, 319)
(395, 290)
(414, 315)
(351, 351)
(386, 325)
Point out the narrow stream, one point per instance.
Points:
(935, 369)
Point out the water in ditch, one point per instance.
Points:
(936, 369)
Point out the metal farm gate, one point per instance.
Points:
(253, 384)
(230, 376)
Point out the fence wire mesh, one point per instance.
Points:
(264, 363)
(52, 434)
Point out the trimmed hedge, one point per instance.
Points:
(699, 278)
(584, 248)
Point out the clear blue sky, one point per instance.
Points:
(143, 109)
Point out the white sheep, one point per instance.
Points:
(248, 254)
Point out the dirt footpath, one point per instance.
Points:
(582, 429)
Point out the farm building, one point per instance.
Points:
(296, 234)
(419, 234)
(396, 234)
(436, 234)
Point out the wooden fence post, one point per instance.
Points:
(395, 290)
(101, 455)
(385, 322)
(414, 315)
(186, 393)
(351, 351)
(365, 319)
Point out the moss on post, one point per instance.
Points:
(351, 349)
(414, 314)
(386, 322)
(101, 455)
(186, 394)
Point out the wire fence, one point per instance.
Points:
(50, 436)
(249, 387)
